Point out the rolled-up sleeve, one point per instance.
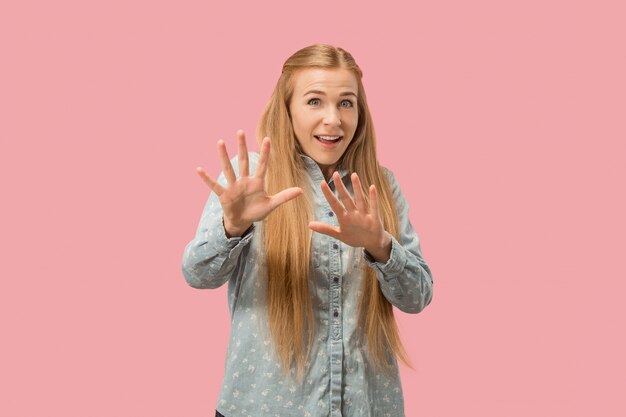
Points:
(405, 279)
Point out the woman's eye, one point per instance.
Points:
(347, 103)
(314, 101)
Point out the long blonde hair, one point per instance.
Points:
(287, 238)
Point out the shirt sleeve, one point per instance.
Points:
(405, 279)
(210, 259)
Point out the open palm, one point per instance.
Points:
(244, 200)
(360, 224)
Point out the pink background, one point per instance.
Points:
(503, 121)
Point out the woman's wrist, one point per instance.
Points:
(234, 230)
(382, 251)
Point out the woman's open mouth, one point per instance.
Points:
(328, 140)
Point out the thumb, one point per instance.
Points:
(284, 196)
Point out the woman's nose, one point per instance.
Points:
(332, 116)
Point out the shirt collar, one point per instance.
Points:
(315, 170)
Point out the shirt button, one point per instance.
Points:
(336, 280)
(335, 246)
(331, 214)
(336, 313)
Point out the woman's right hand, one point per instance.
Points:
(245, 200)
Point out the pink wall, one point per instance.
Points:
(505, 125)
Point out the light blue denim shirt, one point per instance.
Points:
(340, 379)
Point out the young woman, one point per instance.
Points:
(314, 240)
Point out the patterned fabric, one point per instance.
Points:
(340, 379)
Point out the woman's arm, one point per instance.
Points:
(210, 258)
(238, 200)
(405, 279)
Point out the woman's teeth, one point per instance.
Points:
(328, 138)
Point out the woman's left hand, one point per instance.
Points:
(359, 223)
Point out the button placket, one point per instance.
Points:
(335, 319)
(335, 255)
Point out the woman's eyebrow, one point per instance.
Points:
(345, 93)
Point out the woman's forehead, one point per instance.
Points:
(324, 79)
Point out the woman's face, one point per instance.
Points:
(324, 113)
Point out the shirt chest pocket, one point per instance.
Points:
(351, 259)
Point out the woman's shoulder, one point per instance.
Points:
(253, 156)
(253, 161)
(389, 174)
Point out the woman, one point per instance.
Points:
(314, 261)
